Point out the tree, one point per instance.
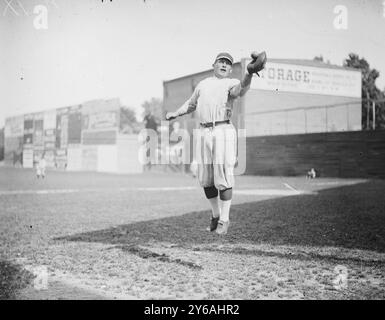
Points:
(369, 92)
(320, 58)
(153, 106)
(128, 122)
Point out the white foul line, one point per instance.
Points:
(252, 192)
(58, 191)
(289, 186)
(271, 192)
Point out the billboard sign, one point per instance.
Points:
(37, 155)
(74, 127)
(38, 138)
(61, 158)
(28, 123)
(307, 79)
(14, 127)
(62, 127)
(28, 158)
(28, 139)
(49, 138)
(50, 120)
(49, 156)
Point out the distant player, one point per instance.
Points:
(311, 174)
(213, 99)
(40, 167)
(150, 123)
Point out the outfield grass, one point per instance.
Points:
(135, 237)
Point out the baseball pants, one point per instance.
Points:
(216, 152)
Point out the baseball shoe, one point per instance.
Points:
(222, 227)
(213, 224)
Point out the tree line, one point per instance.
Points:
(369, 91)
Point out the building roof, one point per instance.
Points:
(97, 104)
(311, 63)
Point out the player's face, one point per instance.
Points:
(222, 68)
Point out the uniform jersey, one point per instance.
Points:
(212, 99)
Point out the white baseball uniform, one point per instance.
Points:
(40, 168)
(216, 146)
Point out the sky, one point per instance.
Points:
(94, 49)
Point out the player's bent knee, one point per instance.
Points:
(211, 192)
(226, 194)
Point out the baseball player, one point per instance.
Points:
(213, 99)
(40, 167)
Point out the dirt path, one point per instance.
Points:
(169, 271)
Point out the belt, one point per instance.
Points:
(211, 124)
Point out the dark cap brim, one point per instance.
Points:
(224, 57)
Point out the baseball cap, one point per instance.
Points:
(224, 55)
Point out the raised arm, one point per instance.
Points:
(240, 89)
(189, 106)
(257, 64)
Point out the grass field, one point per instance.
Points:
(105, 236)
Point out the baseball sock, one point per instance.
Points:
(215, 206)
(224, 207)
(212, 195)
(225, 203)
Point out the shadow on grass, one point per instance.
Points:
(13, 278)
(350, 217)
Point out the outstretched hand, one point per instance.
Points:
(170, 116)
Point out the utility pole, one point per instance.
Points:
(367, 110)
(374, 114)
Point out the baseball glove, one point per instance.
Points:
(258, 62)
